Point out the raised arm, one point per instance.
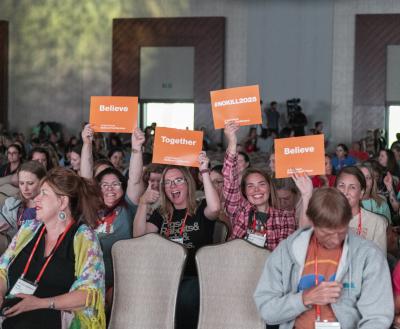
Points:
(388, 181)
(213, 207)
(232, 194)
(231, 127)
(140, 224)
(135, 183)
(87, 152)
(304, 184)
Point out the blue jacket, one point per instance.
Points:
(339, 164)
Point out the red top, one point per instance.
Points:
(359, 155)
(318, 182)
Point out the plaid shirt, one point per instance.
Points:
(281, 223)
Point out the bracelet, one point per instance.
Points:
(136, 151)
(52, 304)
(204, 171)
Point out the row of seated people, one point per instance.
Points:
(80, 218)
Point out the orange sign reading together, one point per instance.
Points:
(301, 154)
(113, 113)
(241, 104)
(177, 147)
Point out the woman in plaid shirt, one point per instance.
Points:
(251, 204)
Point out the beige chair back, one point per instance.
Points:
(220, 234)
(228, 275)
(147, 273)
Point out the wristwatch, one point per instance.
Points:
(52, 304)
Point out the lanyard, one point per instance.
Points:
(182, 227)
(108, 220)
(254, 225)
(318, 307)
(359, 227)
(59, 240)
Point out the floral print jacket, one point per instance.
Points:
(89, 271)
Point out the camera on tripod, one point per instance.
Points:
(292, 105)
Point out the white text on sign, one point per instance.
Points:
(113, 108)
(173, 141)
(298, 150)
(235, 101)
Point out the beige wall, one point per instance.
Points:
(60, 54)
(345, 126)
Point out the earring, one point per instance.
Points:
(62, 216)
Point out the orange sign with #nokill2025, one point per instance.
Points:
(300, 154)
(177, 147)
(116, 114)
(241, 104)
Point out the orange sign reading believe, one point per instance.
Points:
(113, 113)
(177, 147)
(301, 154)
(241, 104)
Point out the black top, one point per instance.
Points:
(57, 279)
(198, 231)
(5, 170)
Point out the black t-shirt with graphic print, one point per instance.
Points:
(197, 233)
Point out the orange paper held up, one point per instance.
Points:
(241, 104)
(117, 114)
(177, 147)
(301, 154)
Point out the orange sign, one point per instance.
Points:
(177, 147)
(113, 114)
(241, 104)
(301, 154)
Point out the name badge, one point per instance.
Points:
(23, 286)
(327, 325)
(257, 239)
(177, 240)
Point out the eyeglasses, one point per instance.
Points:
(12, 153)
(177, 181)
(113, 185)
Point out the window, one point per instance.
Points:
(171, 115)
(393, 123)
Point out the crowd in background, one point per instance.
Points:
(114, 192)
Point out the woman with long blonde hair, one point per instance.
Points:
(181, 220)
